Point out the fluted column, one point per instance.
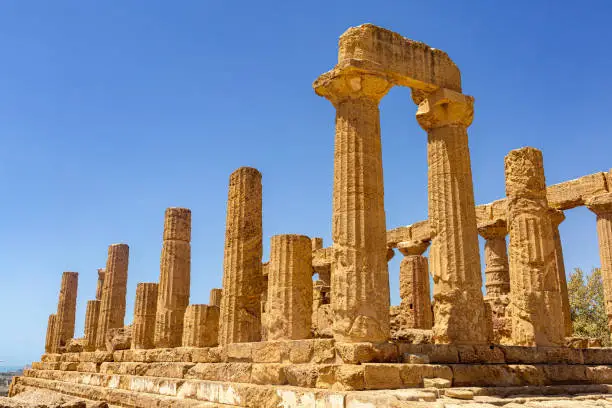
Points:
(535, 305)
(289, 311)
(174, 279)
(602, 207)
(92, 315)
(145, 310)
(497, 274)
(100, 284)
(454, 255)
(556, 218)
(201, 327)
(216, 295)
(240, 319)
(66, 310)
(49, 348)
(112, 308)
(415, 306)
(360, 280)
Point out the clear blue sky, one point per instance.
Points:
(112, 111)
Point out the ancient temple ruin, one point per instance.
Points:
(274, 337)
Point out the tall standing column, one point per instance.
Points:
(145, 309)
(100, 284)
(216, 295)
(556, 218)
(360, 280)
(112, 308)
(66, 310)
(602, 207)
(415, 306)
(240, 319)
(289, 312)
(454, 255)
(49, 348)
(174, 279)
(535, 304)
(92, 315)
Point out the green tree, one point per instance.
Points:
(587, 305)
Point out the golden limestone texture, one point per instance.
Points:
(415, 306)
(50, 335)
(535, 306)
(556, 218)
(289, 304)
(66, 310)
(112, 308)
(201, 327)
(240, 319)
(145, 309)
(602, 206)
(92, 315)
(454, 255)
(216, 295)
(174, 279)
(100, 284)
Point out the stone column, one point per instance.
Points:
(602, 207)
(415, 306)
(360, 279)
(535, 305)
(49, 348)
(497, 273)
(216, 295)
(174, 279)
(92, 315)
(66, 310)
(201, 327)
(556, 218)
(112, 307)
(454, 255)
(100, 284)
(240, 319)
(289, 312)
(145, 310)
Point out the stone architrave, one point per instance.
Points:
(92, 315)
(50, 334)
(454, 255)
(66, 310)
(415, 307)
(201, 327)
(535, 297)
(602, 207)
(100, 284)
(112, 308)
(240, 319)
(556, 218)
(360, 280)
(290, 292)
(216, 295)
(174, 279)
(497, 270)
(145, 311)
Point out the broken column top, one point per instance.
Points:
(600, 204)
(408, 248)
(177, 224)
(524, 173)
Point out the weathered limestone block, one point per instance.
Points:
(201, 327)
(49, 345)
(454, 255)
(92, 315)
(574, 193)
(76, 345)
(118, 339)
(145, 309)
(66, 310)
(415, 306)
(360, 279)
(535, 305)
(556, 218)
(216, 295)
(112, 308)
(289, 310)
(602, 206)
(100, 284)
(174, 279)
(240, 319)
(323, 321)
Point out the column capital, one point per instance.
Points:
(493, 229)
(408, 248)
(101, 272)
(601, 204)
(556, 217)
(390, 253)
(340, 85)
(444, 107)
